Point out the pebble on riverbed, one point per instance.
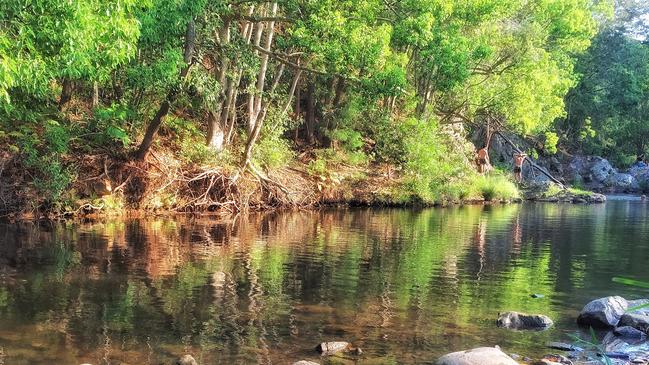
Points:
(186, 360)
(333, 347)
(477, 356)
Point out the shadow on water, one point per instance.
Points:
(404, 285)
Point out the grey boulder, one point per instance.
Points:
(305, 362)
(603, 312)
(620, 181)
(522, 321)
(638, 321)
(477, 356)
(628, 332)
(601, 169)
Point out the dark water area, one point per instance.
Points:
(404, 285)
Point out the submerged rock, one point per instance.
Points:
(563, 346)
(477, 356)
(186, 360)
(603, 312)
(636, 320)
(522, 321)
(330, 348)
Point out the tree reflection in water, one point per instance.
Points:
(405, 285)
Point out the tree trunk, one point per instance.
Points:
(310, 112)
(152, 130)
(95, 94)
(66, 92)
(154, 126)
(215, 133)
(255, 99)
(297, 112)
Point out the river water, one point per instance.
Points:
(404, 285)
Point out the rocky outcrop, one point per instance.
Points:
(522, 321)
(550, 192)
(477, 356)
(603, 312)
(621, 181)
(597, 174)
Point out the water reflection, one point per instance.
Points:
(405, 285)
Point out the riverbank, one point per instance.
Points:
(164, 184)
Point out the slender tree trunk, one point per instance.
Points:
(154, 126)
(255, 100)
(66, 92)
(340, 93)
(297, 111)
(310, 112)
(95, 94)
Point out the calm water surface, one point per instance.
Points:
(404, 285)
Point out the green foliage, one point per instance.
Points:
(608, 109)
(432, 162)
(551, 140)
(42, 152)
(109, 123)
(273, 150)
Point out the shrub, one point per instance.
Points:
(42, 153)
(109, 125)
(495, 186)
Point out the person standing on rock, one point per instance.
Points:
(483, 160)
(519, 159)
(482, 157)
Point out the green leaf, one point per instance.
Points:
(632, 282)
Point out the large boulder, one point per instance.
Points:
(305, 362)
(522, 321)
(601, 169)
(637, 303)
(622, 182)
(603, 312)
(636, 320)
(477, 356)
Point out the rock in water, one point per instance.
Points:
(635, 320)
(522, 321)
(563, 346)
(330, 348)
(186, 360)
(477, 356)
(629, 332)
(603, 312)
